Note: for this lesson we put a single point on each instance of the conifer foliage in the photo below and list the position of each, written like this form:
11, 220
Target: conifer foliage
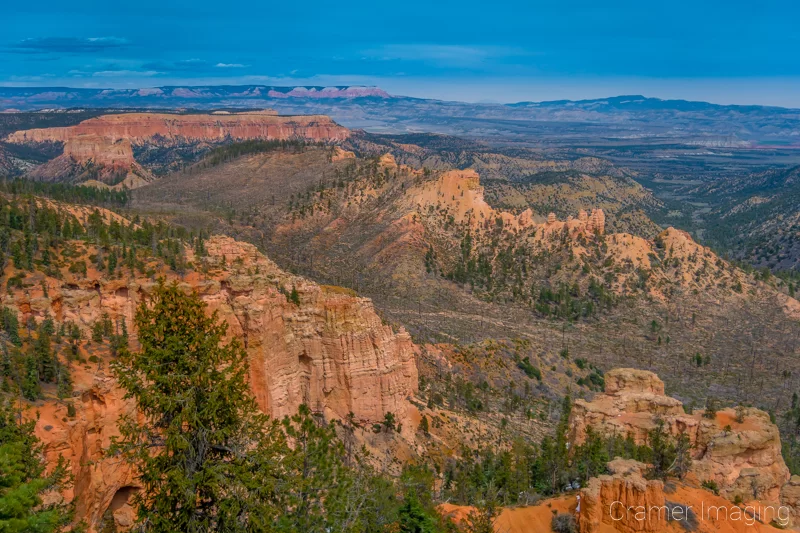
202, 449
23, 481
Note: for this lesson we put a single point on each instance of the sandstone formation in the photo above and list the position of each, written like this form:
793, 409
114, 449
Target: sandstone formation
617, 499
172, 128
102, 484
96, 158
743, 458
331, 352
458, 193
339, 154
626, 502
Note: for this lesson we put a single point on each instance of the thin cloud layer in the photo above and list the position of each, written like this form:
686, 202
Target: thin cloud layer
68, 45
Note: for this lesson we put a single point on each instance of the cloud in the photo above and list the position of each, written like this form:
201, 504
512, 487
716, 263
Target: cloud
67, 45
444, 55
193, 65
123, 73
183, 65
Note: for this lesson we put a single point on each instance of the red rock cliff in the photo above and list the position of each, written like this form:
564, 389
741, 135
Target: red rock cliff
141, 127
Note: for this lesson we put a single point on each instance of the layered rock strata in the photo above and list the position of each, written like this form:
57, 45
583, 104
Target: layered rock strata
173, 128
739, 451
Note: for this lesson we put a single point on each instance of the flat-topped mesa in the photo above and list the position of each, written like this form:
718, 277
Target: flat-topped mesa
98, 158
740, 451
141, 127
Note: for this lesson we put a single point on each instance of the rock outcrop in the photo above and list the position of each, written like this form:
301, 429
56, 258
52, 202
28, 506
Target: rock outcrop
627, 502
330, 351
622, 499
102, 484
740, 452
96, 158
459, 194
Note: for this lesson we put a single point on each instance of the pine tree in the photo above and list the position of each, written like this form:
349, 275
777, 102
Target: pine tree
320, 487
294, 296
64, 382
23, 480
43, 352
30, 388
664, 452
413, 518
591, 457
482, 520
216, 455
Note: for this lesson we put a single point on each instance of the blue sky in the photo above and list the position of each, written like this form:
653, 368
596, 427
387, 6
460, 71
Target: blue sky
726, 52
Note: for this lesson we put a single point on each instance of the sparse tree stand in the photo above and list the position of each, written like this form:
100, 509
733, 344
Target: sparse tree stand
205, 456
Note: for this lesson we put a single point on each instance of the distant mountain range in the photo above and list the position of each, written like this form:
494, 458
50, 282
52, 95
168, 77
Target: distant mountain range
371, 108
26, 98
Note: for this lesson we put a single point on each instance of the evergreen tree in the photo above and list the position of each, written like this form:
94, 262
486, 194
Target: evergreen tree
30, 388
10, 324
591, 457
321, 487
664, 451
23, 480
213, 466
413, 518
43, 352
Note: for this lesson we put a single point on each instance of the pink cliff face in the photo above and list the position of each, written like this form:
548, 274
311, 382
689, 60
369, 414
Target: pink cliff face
141, 127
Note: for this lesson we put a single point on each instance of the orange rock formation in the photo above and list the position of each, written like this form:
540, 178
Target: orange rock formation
626, 502
743, 458
460, 194
615, 499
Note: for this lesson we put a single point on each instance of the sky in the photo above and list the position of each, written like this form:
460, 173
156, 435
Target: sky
723, 52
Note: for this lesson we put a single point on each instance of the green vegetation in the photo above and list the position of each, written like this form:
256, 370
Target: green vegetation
520, 474
23, 481
229, 152
27, 366
37, 237
63, 192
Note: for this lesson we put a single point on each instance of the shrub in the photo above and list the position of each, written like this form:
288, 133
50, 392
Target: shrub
564, 523
711, 408
530, 370
711, 485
